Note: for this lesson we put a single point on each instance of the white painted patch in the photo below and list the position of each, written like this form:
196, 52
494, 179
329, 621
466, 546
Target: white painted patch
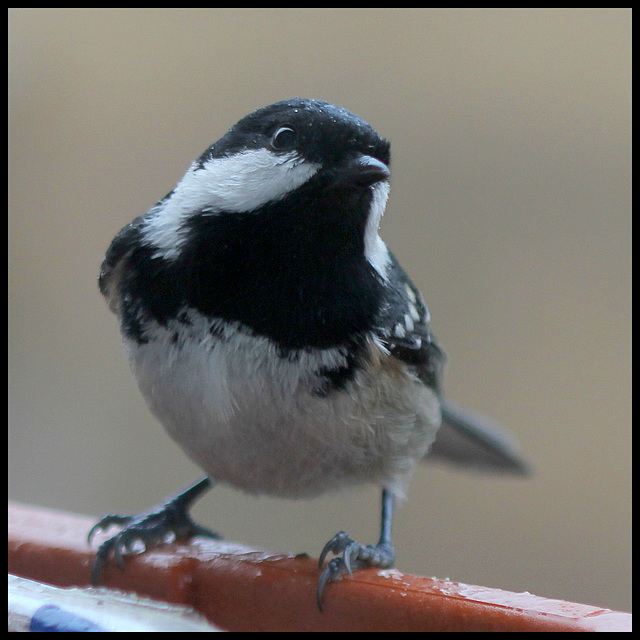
238, 183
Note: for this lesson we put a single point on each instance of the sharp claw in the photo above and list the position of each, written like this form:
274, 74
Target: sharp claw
325, 550
332, 572
336, 545
96, 569
92, 532
324, 577
346, 559
105, 522
149, 529
354, 556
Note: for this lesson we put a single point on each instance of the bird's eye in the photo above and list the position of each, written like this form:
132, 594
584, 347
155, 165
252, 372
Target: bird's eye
284, 138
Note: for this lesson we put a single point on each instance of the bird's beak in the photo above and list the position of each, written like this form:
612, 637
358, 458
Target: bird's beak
362, 171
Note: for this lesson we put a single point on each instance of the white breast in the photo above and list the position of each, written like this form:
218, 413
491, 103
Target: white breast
250, 418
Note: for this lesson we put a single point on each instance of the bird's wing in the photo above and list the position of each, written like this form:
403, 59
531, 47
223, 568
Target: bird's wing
464, 438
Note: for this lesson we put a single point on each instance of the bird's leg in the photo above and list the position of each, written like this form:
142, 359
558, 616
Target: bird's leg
170, 519
355, 555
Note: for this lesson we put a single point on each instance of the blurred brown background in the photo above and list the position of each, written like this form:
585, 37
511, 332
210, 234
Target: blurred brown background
510, 207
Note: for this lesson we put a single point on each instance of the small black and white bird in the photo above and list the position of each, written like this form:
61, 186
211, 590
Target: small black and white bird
274, 335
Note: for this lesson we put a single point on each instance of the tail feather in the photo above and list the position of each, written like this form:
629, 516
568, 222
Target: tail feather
472, 441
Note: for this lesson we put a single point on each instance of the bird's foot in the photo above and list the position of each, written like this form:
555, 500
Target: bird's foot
354, 556
170, 521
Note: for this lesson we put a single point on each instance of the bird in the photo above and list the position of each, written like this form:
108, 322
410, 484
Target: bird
277, 338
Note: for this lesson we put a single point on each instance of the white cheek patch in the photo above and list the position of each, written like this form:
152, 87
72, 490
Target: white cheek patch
232, 184
375, 250
250, 179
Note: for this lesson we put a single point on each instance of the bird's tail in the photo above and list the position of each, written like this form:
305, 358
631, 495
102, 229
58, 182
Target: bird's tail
472, 441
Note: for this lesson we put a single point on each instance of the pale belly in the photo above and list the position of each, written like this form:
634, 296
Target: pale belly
251, 419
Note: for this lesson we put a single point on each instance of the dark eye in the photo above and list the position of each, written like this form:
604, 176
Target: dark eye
284, 138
